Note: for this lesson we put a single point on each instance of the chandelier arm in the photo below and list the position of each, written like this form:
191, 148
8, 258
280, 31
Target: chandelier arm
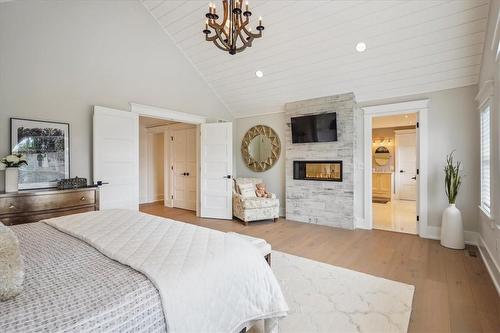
220, 39
246, 43
224, 20
248, 32
222, 47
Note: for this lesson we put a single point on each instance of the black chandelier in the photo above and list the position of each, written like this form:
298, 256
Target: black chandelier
233, 34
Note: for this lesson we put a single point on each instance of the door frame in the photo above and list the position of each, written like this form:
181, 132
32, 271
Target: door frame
420, 107
182, 117
396, 153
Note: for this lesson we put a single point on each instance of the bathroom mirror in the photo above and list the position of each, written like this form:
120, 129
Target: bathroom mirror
260, 148
382, 156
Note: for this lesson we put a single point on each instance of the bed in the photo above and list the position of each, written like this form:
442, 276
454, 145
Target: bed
76, 282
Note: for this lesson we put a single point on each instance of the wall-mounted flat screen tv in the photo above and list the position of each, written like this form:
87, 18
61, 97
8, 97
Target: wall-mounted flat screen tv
314, 128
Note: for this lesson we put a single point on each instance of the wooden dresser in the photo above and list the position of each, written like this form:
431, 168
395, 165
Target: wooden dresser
35, 205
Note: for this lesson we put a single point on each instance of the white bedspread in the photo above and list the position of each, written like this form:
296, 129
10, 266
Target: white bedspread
209, 281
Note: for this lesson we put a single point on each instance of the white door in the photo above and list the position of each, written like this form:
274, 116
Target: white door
216, 170
116, 157
406, 162
183, 147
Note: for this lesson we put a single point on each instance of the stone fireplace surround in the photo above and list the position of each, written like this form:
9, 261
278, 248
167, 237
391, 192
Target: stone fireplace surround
328, 203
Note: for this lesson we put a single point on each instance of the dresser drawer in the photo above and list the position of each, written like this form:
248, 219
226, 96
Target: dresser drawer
35, 217
46, 201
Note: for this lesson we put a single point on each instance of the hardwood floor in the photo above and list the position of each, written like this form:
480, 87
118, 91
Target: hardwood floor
453, 291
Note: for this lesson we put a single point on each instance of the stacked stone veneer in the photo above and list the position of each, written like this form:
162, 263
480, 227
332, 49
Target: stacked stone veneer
323, 202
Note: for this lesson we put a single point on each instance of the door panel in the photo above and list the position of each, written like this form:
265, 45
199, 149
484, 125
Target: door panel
406, 159
116, 157
216, 170
184, 168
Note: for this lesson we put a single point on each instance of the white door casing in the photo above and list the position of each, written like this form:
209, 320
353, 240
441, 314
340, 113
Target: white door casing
216, 166
406, 165
421, 108
116, 157
183, 147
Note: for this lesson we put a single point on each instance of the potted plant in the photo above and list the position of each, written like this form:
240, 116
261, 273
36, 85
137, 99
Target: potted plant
452, 229
11, 164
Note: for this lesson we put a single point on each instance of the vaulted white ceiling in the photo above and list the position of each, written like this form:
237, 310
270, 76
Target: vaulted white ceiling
308, 49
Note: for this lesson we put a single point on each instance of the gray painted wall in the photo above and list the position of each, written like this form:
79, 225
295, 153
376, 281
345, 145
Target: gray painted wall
453, 124
57, 59
274, 177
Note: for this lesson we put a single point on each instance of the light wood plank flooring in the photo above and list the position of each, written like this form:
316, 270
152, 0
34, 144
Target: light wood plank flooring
453, 291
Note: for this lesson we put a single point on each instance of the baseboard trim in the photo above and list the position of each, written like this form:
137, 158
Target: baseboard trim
470, 237
489, 261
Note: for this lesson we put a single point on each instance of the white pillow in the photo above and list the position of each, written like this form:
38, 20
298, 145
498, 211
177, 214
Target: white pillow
11, 264
247, 190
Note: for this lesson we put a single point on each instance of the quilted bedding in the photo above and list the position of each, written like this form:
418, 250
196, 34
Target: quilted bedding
208, 281
71, 287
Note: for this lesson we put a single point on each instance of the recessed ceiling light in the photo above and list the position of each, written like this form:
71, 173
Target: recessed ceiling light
361, 47
259, 74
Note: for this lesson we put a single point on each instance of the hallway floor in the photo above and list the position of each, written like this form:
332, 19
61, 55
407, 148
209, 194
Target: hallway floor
396, 215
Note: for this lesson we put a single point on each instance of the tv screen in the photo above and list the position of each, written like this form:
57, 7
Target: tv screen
315, 128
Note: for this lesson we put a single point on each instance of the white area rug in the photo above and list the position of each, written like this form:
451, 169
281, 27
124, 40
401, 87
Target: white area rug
326, 298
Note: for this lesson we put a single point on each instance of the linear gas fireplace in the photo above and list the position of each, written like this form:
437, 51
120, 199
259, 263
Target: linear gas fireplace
318, 170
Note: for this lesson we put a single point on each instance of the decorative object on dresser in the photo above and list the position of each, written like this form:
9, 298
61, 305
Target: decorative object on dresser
11, 164
250, 207
260, 148
36, 205
452, 228
46, 148
76, 182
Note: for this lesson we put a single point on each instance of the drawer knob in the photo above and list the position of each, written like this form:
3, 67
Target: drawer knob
83, 199
11, 206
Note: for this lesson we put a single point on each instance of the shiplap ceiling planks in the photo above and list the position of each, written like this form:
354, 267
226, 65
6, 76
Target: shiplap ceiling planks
308, 49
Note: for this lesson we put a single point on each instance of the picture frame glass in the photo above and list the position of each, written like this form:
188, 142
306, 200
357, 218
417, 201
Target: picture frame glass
46, 148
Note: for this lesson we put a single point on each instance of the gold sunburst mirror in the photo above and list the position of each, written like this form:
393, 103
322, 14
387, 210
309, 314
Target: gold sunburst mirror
260, 148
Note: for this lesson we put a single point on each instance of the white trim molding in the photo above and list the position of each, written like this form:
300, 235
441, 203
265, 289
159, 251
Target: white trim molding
421, 108
486, 92
160, 113
489, 262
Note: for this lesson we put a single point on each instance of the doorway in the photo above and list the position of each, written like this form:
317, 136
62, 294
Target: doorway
394, 168
381, 173
116, 158
167, 163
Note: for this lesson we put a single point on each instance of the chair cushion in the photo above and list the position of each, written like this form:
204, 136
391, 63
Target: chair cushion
253, 203
245, 180
247, 190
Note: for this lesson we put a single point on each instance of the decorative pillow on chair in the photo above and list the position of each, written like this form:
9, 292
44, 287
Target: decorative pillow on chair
247, 190
11, 264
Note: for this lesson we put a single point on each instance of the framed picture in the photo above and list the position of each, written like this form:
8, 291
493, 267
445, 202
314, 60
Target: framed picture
46, 147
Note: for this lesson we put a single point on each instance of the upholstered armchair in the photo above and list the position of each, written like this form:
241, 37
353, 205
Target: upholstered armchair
249, 208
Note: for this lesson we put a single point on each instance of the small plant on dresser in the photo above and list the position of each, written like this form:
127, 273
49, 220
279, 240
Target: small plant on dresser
11, 164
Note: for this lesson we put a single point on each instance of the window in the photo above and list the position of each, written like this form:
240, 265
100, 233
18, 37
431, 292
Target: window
485, 160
